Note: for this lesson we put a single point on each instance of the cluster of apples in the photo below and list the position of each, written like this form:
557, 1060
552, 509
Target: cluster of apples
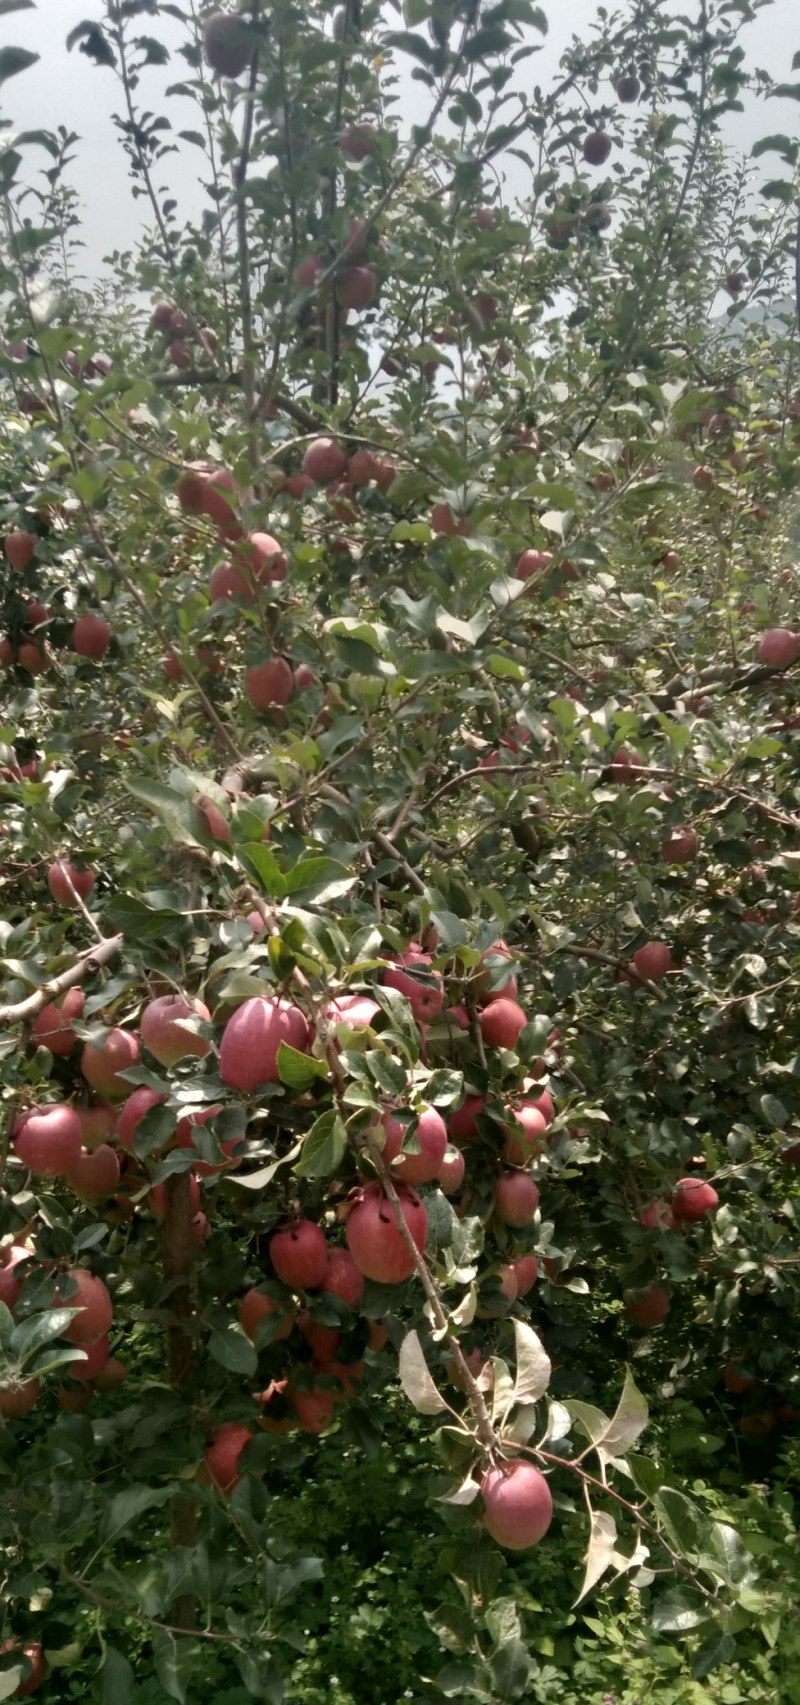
693, 1199
91, 633
181, 337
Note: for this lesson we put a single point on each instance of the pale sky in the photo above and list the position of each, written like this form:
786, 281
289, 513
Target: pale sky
67, 88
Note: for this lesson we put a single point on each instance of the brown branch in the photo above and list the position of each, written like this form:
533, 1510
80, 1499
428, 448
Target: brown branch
89, 962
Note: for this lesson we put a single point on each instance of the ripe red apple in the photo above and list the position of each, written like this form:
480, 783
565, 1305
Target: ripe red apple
373, 1239
221, 1457
628, 87
342, 1277
735, 283
308, 271
113, 1374
63, 877
33, 658
48, 1139
11, 1257
263, 557
682, 847
596, 147
451, 1171
161, 317
516, 1198
102, 1065
201, 491
359, 141
179, 353
502, 1023
517, 1504
298, 484
653, 961
693, 1198
422, 1168
90, 1297
356, 288
96, 1358
248, 1053
314, 1409
133, 1112
444, 521
648, 1307
624, 764
532, 562
426, 999
524, 1270
269, 684
217, 824
52, 1026
32, 1651
19, 548
7, 652
299, 1255
161, 1029
227, 44
484, 218
95, 1174
779, 646
362, 467
658, 1216
523, 1146
324, 461
737, 1381
462, 1124
227, 583
17, 1401
486, 985
703, 477
323, 1341
91, 637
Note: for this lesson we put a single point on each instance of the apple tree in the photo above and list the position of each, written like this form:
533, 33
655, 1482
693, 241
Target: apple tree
399, 810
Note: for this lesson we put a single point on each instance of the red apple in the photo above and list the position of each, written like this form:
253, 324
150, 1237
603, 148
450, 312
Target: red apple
65, 881
19, 548
91, 637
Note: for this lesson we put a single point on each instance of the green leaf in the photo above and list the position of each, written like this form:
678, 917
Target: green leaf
720, 1648
234, 1351
323, 1148
12, 61
317, 879
40, 1329
684, 1522
126, 1507
298, 1070
175, 1663
10, 1680
415, 1377
627, 1422
263, 864
116, 1679
533, 1365
679, 1611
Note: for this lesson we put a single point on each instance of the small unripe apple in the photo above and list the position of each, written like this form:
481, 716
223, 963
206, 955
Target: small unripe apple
19, 548
693, 1199
596, 147
91, 637
779, 646
63, 878
324, 461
